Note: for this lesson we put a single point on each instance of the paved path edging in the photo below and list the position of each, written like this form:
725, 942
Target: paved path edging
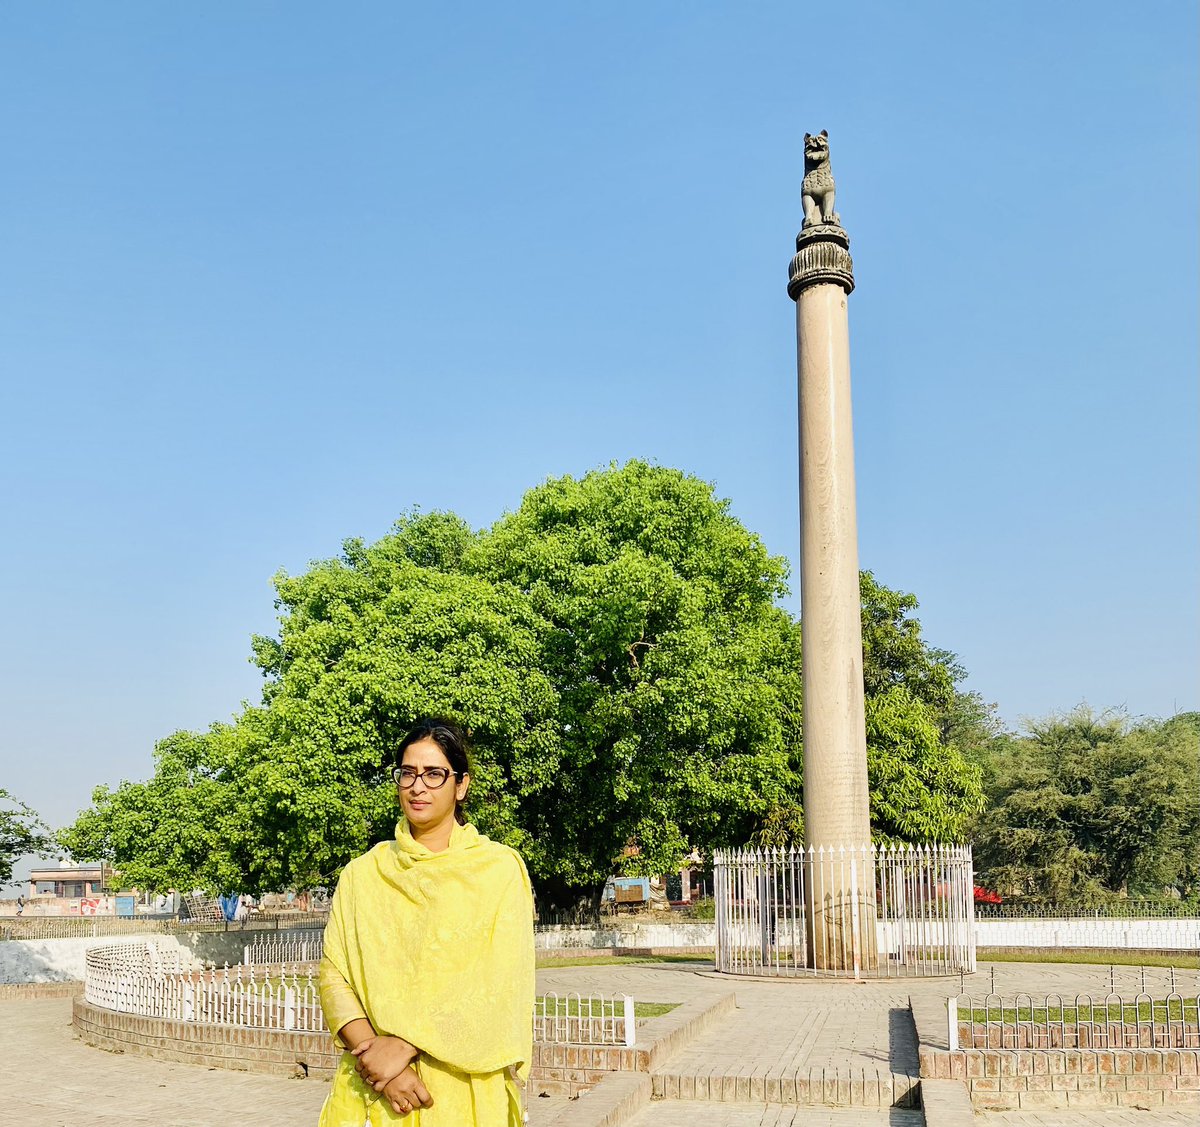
612, 1103
946, 1103
683, 1024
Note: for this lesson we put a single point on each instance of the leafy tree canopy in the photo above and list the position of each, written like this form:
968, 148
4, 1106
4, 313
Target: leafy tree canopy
923, 786
614, 648
21, 832
677, 674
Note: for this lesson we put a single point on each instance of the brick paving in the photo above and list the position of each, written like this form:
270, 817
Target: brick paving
53, 1079
795, 1029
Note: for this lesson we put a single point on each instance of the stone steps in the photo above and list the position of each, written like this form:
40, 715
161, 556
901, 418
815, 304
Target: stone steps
824, 1087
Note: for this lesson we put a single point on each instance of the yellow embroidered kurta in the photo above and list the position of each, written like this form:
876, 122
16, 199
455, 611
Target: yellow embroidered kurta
436, 948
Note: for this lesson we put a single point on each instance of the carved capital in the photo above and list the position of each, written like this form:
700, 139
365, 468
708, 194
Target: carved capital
822, 257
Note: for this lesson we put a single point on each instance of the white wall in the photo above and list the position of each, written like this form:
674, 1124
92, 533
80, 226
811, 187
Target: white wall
1170, 935
62, 960
681, 933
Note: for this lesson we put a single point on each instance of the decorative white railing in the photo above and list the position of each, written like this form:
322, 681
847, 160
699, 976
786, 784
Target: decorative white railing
137, 958
847, 911
1082, 1021
231, 996
301, 947
141, 978
578, 1020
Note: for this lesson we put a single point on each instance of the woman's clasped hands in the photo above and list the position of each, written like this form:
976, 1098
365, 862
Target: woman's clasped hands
386, 1064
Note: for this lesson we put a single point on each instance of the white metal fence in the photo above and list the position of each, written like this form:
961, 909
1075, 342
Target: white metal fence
117, 978
1084, 1021
299, 947
578, 1020
1131, 908
142, 978
847, 911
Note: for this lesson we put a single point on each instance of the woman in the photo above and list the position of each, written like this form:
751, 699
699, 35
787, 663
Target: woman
427, 977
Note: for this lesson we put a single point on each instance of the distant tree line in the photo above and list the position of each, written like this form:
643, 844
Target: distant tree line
1083, 807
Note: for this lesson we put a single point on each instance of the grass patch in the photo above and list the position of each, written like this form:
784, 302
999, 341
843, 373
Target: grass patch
620, 960
653, 1009
570, 1006
1090, 956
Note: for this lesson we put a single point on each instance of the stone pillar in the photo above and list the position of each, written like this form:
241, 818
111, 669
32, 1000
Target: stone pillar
840, 889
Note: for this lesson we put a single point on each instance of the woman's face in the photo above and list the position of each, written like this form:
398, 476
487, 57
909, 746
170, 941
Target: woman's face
426, 807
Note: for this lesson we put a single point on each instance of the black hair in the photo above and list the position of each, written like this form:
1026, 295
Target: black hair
449, 737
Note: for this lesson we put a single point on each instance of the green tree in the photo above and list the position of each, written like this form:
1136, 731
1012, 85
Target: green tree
180, 829
1086, 806
616, 652
297, 786
923, 786
677, 674
21, 832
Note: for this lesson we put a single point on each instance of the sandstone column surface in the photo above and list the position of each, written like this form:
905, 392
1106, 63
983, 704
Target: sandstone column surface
836, 800
839, 891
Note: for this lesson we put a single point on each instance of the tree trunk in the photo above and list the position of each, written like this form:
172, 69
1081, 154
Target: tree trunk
561, 902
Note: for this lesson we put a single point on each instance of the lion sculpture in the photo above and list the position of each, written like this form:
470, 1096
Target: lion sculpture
817, 191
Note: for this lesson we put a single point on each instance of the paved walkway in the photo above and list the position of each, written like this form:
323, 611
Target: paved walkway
820, 1027
52, 1079
807, 1027
795, 1025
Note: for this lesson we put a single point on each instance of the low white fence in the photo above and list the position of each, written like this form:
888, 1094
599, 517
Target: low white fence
1144, 934
297, 947
846, 911
578, 1020
1083, 1021
139, 979
142, 978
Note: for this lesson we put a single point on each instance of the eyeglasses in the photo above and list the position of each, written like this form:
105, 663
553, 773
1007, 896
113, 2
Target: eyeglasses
434, 777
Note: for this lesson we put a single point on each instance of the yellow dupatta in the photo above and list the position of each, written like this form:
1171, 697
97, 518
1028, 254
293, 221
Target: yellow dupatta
436, 948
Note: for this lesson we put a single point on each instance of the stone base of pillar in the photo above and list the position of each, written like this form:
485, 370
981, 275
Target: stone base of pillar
840, 912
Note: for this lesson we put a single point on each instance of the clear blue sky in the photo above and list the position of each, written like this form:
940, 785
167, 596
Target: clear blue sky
272, 273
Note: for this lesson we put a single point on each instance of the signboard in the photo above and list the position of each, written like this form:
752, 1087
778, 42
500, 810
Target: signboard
125, 906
